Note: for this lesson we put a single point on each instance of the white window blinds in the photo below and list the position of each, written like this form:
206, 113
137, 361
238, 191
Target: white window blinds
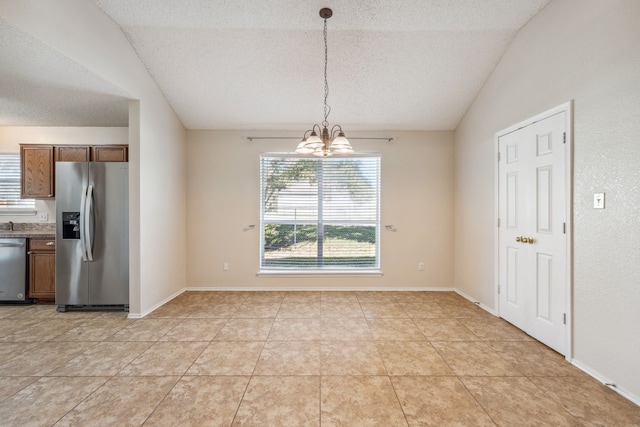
10, 200
320, 213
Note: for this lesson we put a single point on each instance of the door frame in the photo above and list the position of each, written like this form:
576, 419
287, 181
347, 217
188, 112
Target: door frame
567, 108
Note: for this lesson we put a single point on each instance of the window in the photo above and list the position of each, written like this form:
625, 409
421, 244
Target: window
10, 201
320, 213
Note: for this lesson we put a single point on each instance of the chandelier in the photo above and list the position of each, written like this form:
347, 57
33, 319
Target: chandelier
327, 142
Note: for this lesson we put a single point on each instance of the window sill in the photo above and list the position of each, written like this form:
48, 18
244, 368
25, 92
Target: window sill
331, 273
17, 212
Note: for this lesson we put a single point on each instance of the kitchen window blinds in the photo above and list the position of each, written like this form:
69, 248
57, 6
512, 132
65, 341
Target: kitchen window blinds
320, 213
10, 201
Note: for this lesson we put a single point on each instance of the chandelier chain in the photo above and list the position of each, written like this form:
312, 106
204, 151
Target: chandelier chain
327, 107
319, 140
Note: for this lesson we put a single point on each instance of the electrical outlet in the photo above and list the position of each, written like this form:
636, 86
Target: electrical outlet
421, 266
43, 216
225, 266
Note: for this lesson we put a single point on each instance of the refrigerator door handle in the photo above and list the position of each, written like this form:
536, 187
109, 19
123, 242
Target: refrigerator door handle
87, 223
83, 237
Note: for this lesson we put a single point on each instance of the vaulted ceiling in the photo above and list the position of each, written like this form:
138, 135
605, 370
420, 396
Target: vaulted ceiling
39, 86
246, 64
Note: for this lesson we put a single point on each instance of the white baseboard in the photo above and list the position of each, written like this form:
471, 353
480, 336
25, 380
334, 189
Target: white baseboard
476, 302
605, 381
576, 363
321, 288
287, 288
160, 304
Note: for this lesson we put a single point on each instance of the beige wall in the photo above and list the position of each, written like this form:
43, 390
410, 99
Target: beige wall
587, 51
12, 136
223, 198
157, 139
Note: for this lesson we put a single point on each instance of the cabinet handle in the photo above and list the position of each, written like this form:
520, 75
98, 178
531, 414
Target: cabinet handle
51, 243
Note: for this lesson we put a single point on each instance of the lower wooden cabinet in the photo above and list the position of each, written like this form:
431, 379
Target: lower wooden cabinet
42, 269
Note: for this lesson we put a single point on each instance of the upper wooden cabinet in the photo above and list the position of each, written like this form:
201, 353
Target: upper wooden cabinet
91, 153
37, 171
38, 164
72, 153
109, 153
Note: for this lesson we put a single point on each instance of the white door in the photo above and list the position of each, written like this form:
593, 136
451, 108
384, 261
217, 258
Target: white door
533, 288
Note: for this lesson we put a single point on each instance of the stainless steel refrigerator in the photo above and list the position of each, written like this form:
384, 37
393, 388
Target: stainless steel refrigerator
92, 235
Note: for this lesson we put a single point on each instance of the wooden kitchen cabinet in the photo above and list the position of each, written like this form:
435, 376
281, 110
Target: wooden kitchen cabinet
91, 153
37, 164
72, 153
42, 269
110, 153
37, 171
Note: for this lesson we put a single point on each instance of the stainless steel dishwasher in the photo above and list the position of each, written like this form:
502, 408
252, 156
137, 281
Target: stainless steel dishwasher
13, 269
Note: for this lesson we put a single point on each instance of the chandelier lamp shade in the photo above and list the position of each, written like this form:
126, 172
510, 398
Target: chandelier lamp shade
319, 140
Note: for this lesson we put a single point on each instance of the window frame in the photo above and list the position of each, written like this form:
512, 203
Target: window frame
13, 210
333, 270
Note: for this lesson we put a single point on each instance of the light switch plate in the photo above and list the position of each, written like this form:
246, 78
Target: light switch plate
598, 200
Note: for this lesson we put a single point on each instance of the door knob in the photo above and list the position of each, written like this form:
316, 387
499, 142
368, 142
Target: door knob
524, 239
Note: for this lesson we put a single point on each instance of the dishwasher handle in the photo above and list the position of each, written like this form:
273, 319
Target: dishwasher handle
11, 245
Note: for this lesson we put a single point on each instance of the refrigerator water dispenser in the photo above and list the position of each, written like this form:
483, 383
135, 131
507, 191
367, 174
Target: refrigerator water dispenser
70, 225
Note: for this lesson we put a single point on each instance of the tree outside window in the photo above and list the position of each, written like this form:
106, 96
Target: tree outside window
320, 213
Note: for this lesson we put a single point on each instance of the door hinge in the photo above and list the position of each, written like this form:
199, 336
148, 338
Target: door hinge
564, 137
498, 288
498, 156
564, 228
498, 222
564, 318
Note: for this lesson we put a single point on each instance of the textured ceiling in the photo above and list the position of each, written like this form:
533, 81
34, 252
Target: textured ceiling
41, 87
247, 64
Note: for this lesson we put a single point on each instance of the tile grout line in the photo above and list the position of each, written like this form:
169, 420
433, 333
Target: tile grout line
244, 393
180, 377
459, 314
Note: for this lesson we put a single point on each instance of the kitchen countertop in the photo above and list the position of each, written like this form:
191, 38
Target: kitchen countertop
27, 234
27, 230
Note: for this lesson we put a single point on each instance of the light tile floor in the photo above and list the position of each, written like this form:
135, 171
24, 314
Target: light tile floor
291, 359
